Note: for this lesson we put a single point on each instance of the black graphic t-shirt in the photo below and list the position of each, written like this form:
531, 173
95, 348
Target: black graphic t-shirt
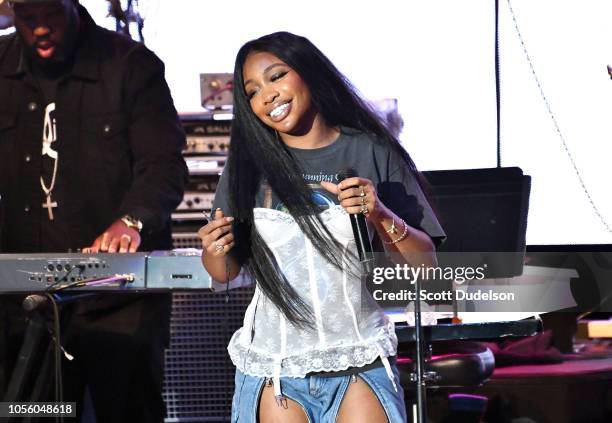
396, 186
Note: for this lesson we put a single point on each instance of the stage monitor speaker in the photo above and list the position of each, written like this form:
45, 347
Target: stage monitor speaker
483, 212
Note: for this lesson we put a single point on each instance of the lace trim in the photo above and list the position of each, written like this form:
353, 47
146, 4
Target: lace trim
260, 364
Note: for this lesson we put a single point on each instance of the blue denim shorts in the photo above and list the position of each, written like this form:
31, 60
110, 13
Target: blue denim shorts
319, 396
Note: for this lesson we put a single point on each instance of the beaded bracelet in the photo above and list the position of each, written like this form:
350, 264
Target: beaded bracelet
402, 236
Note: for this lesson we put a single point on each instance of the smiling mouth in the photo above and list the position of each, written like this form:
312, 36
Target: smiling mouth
280, 111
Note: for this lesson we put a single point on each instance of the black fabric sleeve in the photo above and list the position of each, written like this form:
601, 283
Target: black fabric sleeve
156, 142
402, 194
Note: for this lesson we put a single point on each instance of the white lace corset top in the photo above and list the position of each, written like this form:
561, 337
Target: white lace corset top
350, 329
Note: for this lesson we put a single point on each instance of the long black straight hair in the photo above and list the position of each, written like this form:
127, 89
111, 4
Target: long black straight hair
256, 154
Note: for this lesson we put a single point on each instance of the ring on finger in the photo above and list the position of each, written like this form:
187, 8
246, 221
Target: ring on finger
364, 209
218, 247
361, 191
363, 200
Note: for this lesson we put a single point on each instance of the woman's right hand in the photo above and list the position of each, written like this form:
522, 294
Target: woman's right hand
217, 237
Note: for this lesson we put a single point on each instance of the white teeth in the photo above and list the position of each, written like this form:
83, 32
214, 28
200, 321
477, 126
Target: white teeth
278, 110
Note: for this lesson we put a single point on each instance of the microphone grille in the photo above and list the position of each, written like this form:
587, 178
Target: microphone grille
347, 172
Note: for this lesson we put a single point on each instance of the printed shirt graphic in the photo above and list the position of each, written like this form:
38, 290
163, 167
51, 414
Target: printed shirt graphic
49, 138
320, 196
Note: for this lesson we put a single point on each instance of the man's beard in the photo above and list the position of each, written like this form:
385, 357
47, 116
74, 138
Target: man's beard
58, 59
61, 56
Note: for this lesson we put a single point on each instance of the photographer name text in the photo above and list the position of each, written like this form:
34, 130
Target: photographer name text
449, 295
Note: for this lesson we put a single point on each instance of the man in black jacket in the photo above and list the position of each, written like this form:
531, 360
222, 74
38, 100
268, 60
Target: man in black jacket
90, 158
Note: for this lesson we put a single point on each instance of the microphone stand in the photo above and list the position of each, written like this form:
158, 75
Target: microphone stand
421, 389
420, 377
37, 333
31, 370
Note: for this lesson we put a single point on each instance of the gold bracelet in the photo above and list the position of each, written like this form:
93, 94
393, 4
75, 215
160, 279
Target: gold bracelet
402, 236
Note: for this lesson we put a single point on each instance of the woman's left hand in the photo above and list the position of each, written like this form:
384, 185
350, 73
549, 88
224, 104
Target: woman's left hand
357, 195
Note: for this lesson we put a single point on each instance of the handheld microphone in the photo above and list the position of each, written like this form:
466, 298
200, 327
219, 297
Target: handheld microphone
360, 230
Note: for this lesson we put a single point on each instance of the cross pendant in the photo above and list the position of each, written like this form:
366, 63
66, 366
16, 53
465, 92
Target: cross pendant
49, 205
